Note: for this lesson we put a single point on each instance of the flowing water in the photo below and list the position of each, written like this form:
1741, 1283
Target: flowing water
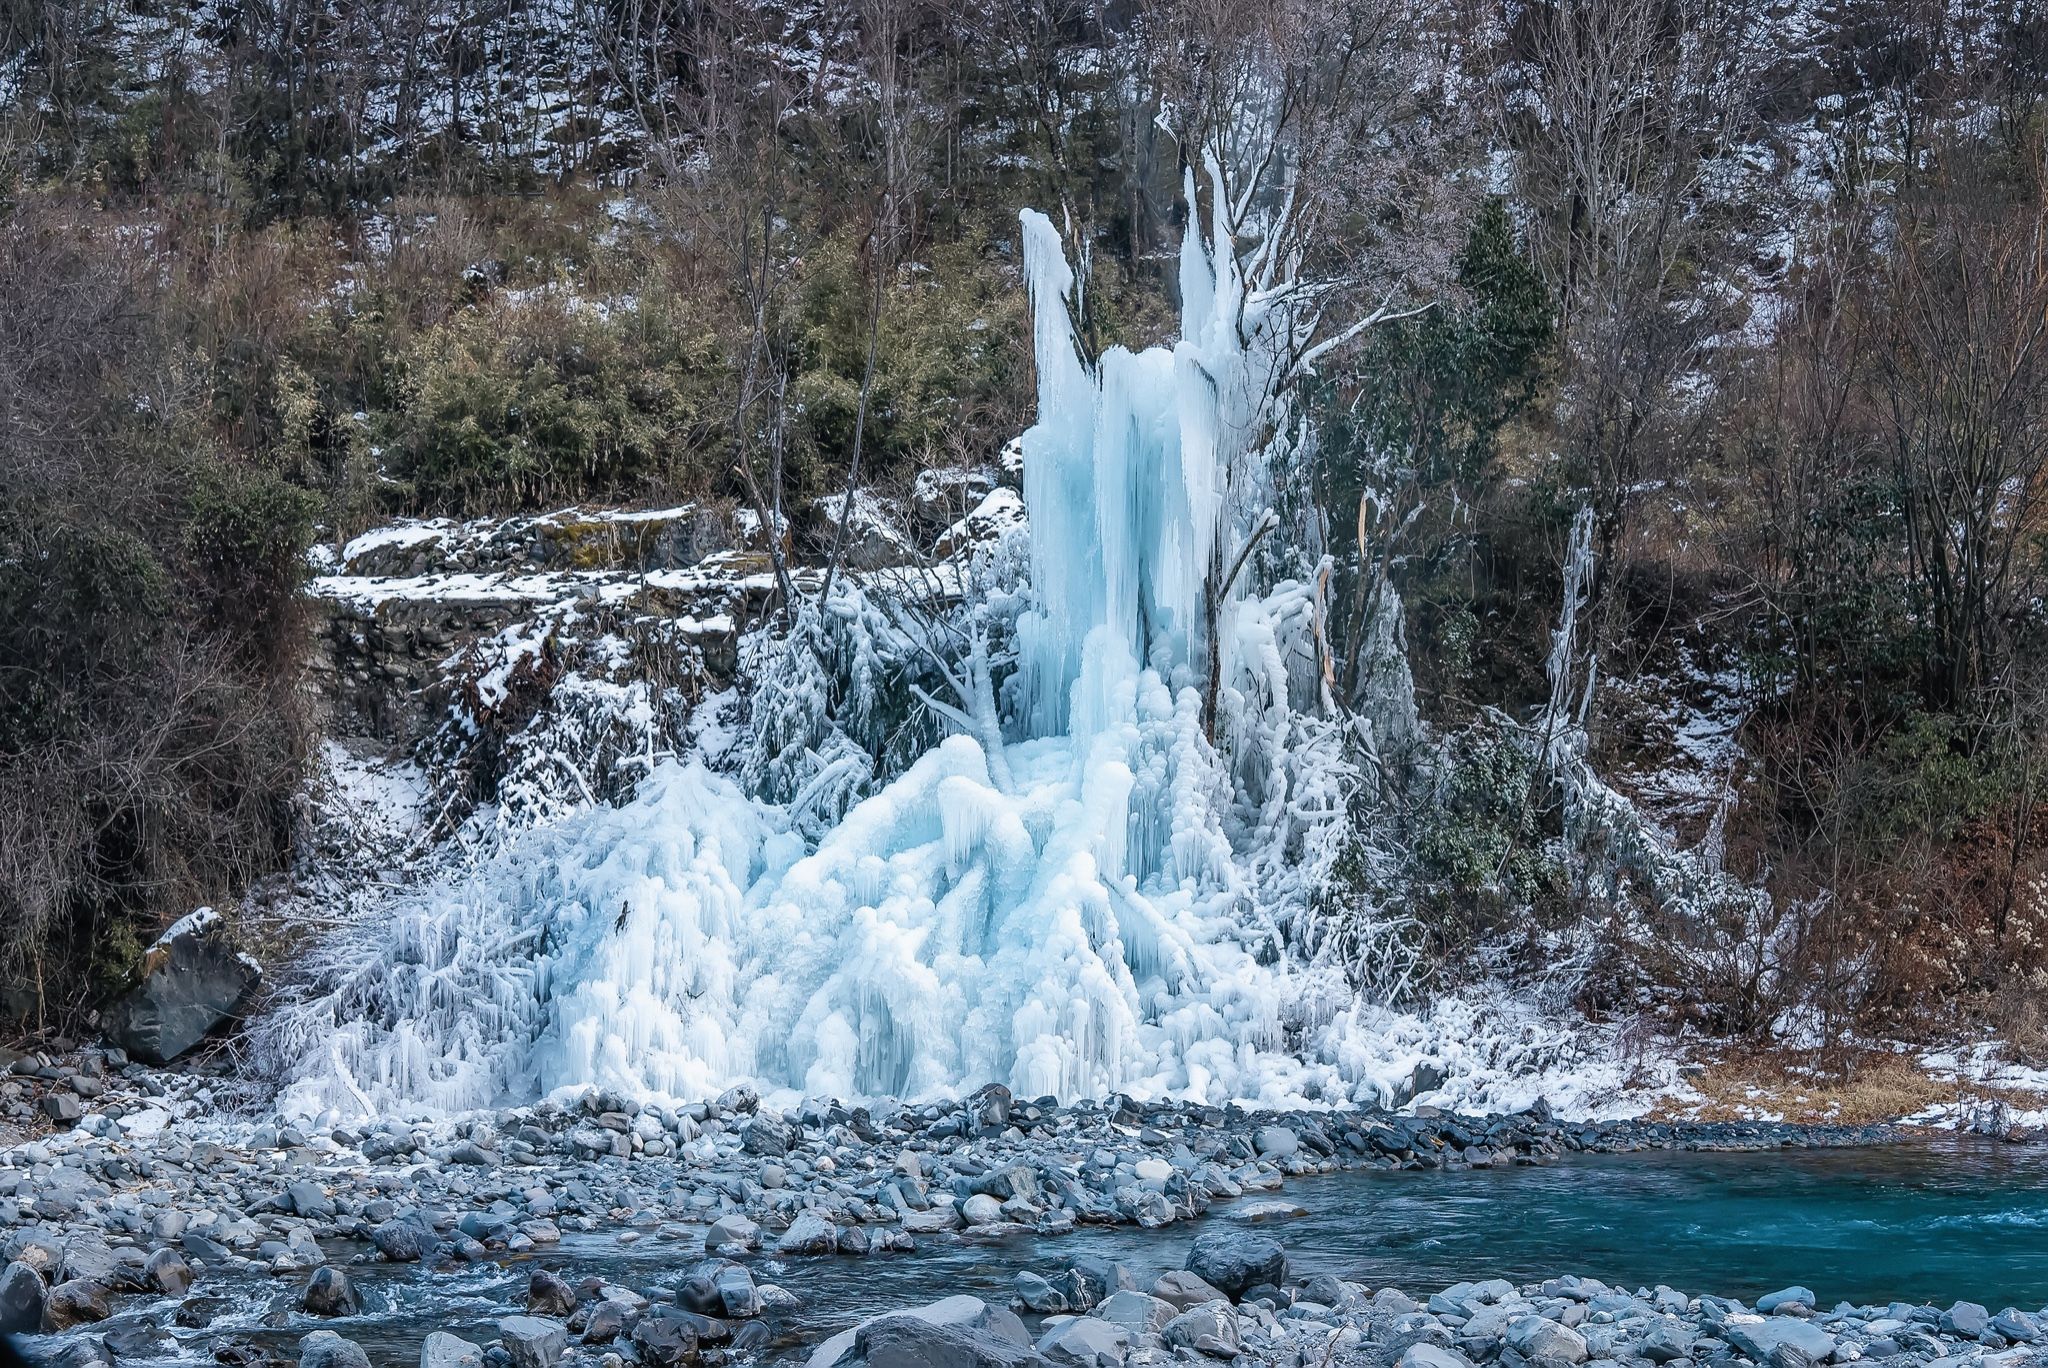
1918, 1223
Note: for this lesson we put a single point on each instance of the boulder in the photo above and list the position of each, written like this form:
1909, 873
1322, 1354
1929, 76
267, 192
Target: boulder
765, 1135
969, 1315
329, 1293
809, 1233
1234, 1260
21, 1300
1768, 1340
549, 1295
664, 1339
325, 1349
909, 1341
62, 1107
168, 1273
1965, 1320
733, 1234
1181, 1289
981, 1209
533, 1341
403, 1241
1431, 1356
76, 1302
1086, 1342
1786, 1299
1137, 1313
737, 1295
1276, 1143
1039, 1296
1534, 1338
1210, 1330
443, 1350
192, 980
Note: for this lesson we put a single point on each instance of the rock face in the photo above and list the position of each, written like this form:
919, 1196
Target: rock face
192, 981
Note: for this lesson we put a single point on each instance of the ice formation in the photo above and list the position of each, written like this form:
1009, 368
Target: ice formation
1061, 897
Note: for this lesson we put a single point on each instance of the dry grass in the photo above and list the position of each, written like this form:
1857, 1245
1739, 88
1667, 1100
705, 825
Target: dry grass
1860, 1089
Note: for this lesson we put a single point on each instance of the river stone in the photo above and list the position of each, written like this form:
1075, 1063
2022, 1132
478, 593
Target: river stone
906, 1341
1534, 1337
981, 1209
2016, 1326
329, 1293
443, 1350
548, 1295
533, 1341
1666, 1342
168, 1273
62, 1107
21, 1300
664, 1338
809, 1233
765, 1135
1425, 1355
1088, 1280
311, 1201
607, 1321
1182, 1289
1210, 1330
401, 1241
1039, 1296
192, 980
733, 1234
960, 1312
1086, 1342
325, 1349
76, 1302
1787, 1299
1276, 1143
1234, 1260
737, 1295
1762, 1340
1138, 1313
1967, 1320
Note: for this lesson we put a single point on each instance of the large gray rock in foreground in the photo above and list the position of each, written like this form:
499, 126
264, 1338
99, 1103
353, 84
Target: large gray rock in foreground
973, 1335
192, 981
325, 1349
1761, 1339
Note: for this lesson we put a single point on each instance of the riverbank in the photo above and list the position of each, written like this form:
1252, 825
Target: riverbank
151, 1217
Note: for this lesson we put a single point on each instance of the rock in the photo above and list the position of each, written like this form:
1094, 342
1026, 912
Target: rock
963, 1312
1087, 1281
1210, 1329
310, 1200
329, 1293
1766, 1340
608, 1320
78, 1353
981, 1209
765, 1135
2018, 1327
76, 1302
1424, 1355
1037, 1295
733, 1234
740, 1099
168, 1273
549, 1295
472, 1155
1086, 1342
1234, 1260
664, 1340
1276, 1143
62, 1107
809, 1233
737, 1295
443, 1350
1137, 1313
21, 1300
1966, 1320
1785, 1300
910, 1341
403, 1241
988, 1109
1534, 1337
192, 980
139, 1340
533, 1341
1667, 1342
1181, 1290
325, 1349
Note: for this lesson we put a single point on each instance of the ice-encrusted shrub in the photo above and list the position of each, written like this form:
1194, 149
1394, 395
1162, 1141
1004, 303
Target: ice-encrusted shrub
1483, 836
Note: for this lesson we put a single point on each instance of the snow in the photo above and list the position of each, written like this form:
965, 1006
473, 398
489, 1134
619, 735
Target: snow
194, 923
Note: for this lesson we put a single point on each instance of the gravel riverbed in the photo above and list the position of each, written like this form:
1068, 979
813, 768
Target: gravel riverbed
133, 1229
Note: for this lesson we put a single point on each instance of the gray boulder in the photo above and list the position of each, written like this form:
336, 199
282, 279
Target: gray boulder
192, 980
1778, 1340
1181, 1289
443, 1350
402, 1241
533, 1341
1234, 1260
971, 1316
548, 1295
1040, 1297
809, 1233
1787, 1299
1137, 1313
1210, 1330
1966, 1320
329, 1293
1423, 1355
733, 1234
908, 1341
1086, 1342
664, 1340
21, 1300
325, 1349
1534, 1338
168, 1273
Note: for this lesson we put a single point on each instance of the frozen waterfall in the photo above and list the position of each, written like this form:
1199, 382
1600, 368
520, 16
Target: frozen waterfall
1081, 923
